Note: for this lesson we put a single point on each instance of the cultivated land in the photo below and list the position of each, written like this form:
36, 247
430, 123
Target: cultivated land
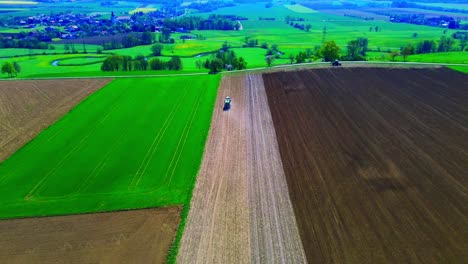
136, 143
140, 236
375, 161
240, 210
28, 107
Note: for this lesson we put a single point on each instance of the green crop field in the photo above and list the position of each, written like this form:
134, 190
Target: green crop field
136, 143
81, 60
300, 9
438, 57
460, 68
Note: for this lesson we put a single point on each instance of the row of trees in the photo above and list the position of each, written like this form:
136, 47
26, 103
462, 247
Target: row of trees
445, 44
328, 51
225, 58
213, 22
26, 43
139, 63
129, 41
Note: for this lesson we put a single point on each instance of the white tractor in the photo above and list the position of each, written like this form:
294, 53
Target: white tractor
227, 103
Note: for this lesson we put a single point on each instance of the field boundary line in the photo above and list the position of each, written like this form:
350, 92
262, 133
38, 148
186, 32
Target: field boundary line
236, 71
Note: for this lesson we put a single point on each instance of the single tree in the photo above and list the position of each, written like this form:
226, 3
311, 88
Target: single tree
308, 27
17, 67
216, 65
269, 60
175, 64
394, 54
406, 51
8, 68
198, 64
291, 58
301, 57
156, 49
330, 51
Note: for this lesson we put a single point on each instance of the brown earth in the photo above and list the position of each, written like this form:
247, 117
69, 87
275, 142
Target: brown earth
376, 162
240, 210
140, 236
28, 107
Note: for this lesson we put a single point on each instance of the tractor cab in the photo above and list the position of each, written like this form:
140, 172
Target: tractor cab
227, 103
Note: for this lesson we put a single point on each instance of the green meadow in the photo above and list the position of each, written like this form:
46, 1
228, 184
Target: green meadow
136, 143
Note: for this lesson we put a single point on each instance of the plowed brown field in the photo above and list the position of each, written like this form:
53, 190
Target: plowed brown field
28, 107
240, 210
376, 162
141, 236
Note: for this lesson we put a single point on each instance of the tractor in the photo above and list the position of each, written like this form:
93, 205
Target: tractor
336, 63
227, 103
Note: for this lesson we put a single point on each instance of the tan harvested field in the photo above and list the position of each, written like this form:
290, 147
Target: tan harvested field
376, 162
240, 210
140, 236
28, 107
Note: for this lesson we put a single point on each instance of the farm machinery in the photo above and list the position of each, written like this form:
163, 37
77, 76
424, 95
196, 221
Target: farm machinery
227, 103
336, 63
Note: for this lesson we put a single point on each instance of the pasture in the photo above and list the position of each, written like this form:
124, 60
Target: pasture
136, 143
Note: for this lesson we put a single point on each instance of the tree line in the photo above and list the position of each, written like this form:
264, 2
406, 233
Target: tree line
224, 58
25, 43
213, 22
139, 63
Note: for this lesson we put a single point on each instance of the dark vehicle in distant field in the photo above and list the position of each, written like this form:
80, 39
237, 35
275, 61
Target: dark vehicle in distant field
336, 63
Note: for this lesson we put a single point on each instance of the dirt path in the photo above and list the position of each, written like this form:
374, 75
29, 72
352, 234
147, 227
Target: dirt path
240, 212
140, 236
28, 107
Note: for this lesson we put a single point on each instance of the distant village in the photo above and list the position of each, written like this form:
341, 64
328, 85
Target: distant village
72, 26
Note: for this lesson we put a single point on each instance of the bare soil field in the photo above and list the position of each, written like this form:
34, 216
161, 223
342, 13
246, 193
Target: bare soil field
28, 107
376, 162
240, 210
140, 236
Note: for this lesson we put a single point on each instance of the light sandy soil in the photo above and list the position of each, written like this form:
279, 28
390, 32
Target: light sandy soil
240, 210
28, 107
274, 233
140, 236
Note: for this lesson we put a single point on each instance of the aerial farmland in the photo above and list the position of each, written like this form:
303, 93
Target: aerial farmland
233, 131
